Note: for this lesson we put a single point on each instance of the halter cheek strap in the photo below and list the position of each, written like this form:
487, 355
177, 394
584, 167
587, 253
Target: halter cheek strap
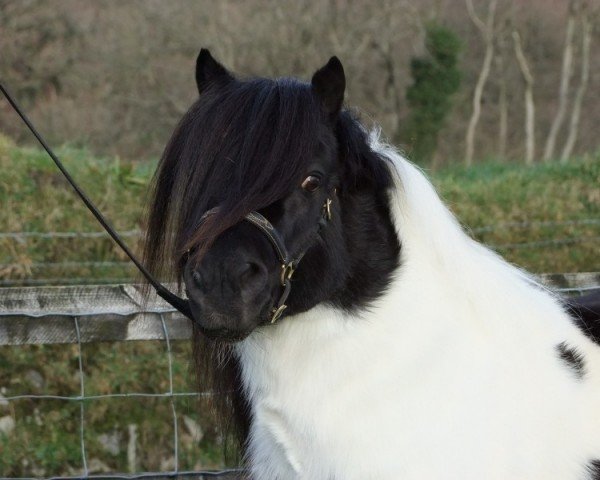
288, 264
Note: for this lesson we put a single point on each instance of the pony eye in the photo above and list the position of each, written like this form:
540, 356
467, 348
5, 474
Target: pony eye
311, 183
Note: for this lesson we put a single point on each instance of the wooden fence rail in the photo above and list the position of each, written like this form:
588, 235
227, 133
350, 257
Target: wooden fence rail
45, 315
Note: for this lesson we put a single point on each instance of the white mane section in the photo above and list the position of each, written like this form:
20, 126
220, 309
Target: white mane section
452, 374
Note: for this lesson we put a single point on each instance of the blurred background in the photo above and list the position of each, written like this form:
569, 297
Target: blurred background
479, 92
116, 76
498, 100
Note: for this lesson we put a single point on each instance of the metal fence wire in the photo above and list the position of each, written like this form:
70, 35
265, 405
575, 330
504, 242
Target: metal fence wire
79, 316
30, 257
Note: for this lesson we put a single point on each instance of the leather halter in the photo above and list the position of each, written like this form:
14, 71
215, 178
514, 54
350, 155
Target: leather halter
288, 263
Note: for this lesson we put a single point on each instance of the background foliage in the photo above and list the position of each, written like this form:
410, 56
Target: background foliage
435, 79
497, 195
116, 76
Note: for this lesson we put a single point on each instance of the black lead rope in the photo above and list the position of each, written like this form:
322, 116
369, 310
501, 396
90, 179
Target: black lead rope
180, 304
288, 264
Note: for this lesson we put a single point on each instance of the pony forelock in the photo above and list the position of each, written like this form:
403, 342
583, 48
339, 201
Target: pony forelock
240, 147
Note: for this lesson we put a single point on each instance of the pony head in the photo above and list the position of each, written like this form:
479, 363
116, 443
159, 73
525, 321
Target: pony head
284, 149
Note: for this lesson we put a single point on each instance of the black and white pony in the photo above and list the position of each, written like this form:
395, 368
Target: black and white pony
406, 350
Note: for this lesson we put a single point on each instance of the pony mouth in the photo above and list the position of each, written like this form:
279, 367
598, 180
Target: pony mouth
223, 328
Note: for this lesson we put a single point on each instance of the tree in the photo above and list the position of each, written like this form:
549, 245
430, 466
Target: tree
565, 77
502, 96
529, 104
436, 78
487, 32
586, 40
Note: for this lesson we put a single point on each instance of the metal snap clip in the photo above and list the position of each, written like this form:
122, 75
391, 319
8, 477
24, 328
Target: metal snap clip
277, 312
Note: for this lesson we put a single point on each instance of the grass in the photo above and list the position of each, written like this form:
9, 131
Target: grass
46, 438
34, 197
555, 200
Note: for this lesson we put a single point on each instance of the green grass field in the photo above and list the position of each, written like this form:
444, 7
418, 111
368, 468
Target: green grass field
35, 197
555, 200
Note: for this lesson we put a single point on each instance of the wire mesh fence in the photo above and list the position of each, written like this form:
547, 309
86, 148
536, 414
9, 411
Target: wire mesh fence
74, 257
139, 416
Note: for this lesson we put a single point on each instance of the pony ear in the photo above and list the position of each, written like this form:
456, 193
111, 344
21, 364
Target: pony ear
329, 83
209, 71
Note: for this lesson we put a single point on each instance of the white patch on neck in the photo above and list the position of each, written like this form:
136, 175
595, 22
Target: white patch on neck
452, 373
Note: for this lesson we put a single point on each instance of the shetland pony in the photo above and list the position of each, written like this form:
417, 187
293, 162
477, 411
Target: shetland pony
405, 349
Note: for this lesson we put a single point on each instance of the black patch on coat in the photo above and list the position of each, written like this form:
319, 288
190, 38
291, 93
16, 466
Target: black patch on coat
572, 359
594, 470
585, 311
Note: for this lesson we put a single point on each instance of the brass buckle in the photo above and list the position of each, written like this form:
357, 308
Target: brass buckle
286, 273
327, 209
277, 312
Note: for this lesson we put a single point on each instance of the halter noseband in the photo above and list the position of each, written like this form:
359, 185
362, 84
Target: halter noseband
288, 264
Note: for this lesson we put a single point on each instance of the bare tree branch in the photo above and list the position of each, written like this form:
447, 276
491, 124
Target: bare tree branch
476, 20
502, 97
488, 35
529, 104
586, 41
565, 77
